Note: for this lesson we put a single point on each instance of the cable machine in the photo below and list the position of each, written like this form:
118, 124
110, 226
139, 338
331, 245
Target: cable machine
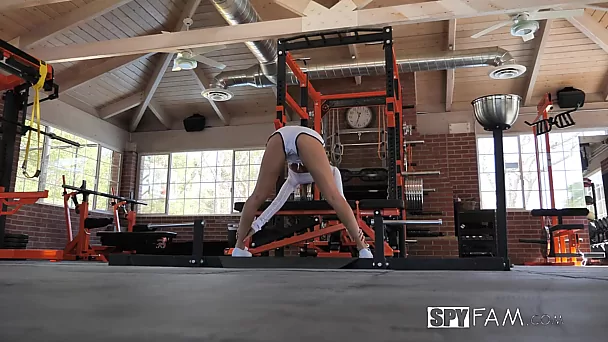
21, 72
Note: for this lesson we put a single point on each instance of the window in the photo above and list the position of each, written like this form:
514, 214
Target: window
521, 171
97, 165
600, 196
197, 183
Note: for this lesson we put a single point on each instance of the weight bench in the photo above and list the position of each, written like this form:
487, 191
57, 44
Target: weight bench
278, 238
558, 234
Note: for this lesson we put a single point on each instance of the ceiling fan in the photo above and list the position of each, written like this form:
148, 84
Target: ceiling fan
525, 24
188, 59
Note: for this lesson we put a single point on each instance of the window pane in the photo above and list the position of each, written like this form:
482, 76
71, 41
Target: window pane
515, 200
486, 163
153, 183
526, 143
223, 206
485, 146
193, 191
559, 180
511, 162
241, 173
224, 158
191, 206
193, 159
487, 181
510, 144
555, 141
208, 174
178, 160
528, 163
224, 174
254, 171
241, 158
178, 176
207, 190
256, 156
488, 200
513, 181
176, 207
207, 207
241, 189
223, 189
532, 199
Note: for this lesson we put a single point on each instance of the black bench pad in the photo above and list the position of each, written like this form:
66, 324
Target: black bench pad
568, 212
323, 205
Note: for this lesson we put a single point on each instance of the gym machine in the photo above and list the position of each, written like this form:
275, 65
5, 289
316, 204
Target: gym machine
21, 72
558, 241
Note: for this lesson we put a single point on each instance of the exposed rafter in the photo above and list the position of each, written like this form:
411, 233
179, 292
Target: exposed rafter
16, 4
593, 30
542, 38
76, 103
121, 106
218, 107
162, 66
79, 74
599, 6
401, 14
160, 114
69, 20
450, 73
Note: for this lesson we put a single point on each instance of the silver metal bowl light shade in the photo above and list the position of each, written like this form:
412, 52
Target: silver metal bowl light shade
496, 111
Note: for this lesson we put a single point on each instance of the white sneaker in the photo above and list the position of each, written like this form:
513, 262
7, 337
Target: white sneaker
366, 254
243, 253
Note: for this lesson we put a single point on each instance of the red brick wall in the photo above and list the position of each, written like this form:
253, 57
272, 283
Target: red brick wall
129, 174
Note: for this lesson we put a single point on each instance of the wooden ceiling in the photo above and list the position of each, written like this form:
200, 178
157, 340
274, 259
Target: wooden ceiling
568, 58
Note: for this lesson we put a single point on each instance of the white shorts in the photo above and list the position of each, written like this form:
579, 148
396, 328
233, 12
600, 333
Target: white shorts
289, 135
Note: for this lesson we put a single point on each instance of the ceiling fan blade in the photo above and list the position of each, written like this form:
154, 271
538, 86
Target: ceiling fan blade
527, 37
209, 62
556, 14
492, 28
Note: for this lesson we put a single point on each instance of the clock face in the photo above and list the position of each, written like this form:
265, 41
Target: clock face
359, 117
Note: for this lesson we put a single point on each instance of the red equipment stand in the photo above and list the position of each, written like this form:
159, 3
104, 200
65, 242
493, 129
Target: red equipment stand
15, 200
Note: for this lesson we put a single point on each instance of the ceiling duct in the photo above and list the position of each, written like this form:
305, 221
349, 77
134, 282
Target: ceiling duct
256, 77
237, 12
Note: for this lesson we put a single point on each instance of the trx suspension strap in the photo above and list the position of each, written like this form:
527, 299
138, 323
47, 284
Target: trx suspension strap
35, 119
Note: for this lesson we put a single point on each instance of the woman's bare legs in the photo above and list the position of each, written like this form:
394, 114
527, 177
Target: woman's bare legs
273, 163
313, 156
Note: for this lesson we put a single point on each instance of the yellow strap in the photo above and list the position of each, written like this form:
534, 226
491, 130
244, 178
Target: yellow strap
35, 119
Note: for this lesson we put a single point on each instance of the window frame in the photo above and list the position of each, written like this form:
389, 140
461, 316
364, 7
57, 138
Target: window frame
521, 172
46, 145
170, 154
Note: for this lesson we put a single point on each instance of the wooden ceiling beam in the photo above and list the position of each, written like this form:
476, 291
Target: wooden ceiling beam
76, 103
79, 74
599, 6
450, 73
219, 108
542, 38
594, 31
121, 106
160, 114
393, 15
6, 5
162, 66
69, 20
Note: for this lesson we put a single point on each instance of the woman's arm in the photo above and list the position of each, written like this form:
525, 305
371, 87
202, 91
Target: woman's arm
286, 190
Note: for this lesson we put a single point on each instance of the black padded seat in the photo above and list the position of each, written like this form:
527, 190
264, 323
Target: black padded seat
368, 204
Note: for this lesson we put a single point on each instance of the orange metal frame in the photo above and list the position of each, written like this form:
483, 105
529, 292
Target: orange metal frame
12, 81
19, 199
317, 99
79, 247
564, 241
